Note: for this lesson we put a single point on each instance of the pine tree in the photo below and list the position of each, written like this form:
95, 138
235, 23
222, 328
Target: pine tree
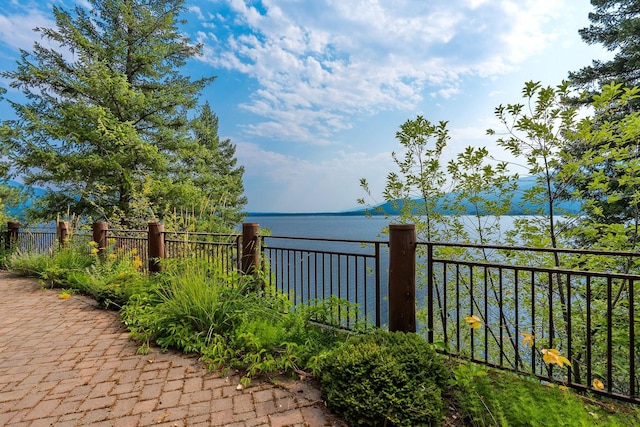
209, 167
615, 24
106, 116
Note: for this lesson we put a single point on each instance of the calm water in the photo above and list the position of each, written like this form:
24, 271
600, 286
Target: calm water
324, 226
342, 227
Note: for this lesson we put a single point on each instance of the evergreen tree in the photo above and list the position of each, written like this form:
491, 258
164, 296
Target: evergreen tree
209, 167
615, 24
9, 196
105, 120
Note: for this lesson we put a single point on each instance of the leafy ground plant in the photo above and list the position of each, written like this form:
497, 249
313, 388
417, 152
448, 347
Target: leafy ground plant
58, 268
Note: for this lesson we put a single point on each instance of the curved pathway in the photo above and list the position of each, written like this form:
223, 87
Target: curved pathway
68, 363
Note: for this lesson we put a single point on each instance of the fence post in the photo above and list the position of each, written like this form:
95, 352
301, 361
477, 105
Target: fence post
13, 228
63, 233
402, 277
250, 247
100, 229
156, 246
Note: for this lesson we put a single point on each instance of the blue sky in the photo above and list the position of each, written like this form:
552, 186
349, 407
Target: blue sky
312, 92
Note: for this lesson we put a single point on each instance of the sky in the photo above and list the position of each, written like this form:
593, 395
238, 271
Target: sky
312, 92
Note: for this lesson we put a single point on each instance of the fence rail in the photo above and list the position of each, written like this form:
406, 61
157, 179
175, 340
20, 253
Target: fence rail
515, 308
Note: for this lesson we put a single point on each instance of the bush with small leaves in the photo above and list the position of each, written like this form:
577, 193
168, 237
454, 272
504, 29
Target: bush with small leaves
385, 378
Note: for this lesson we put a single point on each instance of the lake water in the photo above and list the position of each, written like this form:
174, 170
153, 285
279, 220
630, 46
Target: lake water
324, 226
343, 227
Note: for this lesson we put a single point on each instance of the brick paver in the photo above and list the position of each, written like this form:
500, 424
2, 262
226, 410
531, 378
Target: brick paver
68, 363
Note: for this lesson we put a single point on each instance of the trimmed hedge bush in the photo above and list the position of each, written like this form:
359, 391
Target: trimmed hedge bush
385, 378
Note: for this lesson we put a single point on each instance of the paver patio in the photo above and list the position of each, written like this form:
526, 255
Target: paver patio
64, 362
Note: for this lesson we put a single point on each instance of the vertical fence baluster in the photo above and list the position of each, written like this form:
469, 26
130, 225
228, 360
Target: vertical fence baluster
609, 334
632, 340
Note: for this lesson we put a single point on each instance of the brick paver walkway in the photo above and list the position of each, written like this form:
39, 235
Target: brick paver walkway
68, 363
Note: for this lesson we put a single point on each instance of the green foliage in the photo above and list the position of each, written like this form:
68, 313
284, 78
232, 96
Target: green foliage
607, 168
198, 308
420, 177
61, 267
112, 280
28, 264
385, 378
490, 398
614, 25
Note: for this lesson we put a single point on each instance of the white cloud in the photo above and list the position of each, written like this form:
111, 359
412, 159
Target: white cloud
16, 31
319, 63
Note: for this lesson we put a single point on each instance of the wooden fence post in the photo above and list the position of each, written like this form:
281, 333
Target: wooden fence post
13, 229
402, 277
63, 234
156, 246
250, 247
100, 229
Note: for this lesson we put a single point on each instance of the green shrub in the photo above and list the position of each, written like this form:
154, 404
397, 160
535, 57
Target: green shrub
385, 378
198, 308
113, 281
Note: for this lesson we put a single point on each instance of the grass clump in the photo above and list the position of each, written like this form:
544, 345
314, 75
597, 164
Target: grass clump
385, 378
58, 268
485, 397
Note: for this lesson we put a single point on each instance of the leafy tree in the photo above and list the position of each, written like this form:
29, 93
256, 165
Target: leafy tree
544, 130
106, 118
418, 188
539, 130
611, 155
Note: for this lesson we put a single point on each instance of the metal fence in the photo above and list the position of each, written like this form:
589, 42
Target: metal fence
510, 307
309, 270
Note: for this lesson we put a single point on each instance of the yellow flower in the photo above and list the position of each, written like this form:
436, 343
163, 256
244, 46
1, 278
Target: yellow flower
64, 295
137, 262
113, 256
552, 356
474, 321
563, 388
597, 384
94, 251
93, 244
528, 339
134, 251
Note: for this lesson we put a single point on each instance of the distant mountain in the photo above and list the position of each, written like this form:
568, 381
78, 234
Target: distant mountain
518, 205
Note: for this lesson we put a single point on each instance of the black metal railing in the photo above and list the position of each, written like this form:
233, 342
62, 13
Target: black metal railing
312, 269
511, 309
220, 250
